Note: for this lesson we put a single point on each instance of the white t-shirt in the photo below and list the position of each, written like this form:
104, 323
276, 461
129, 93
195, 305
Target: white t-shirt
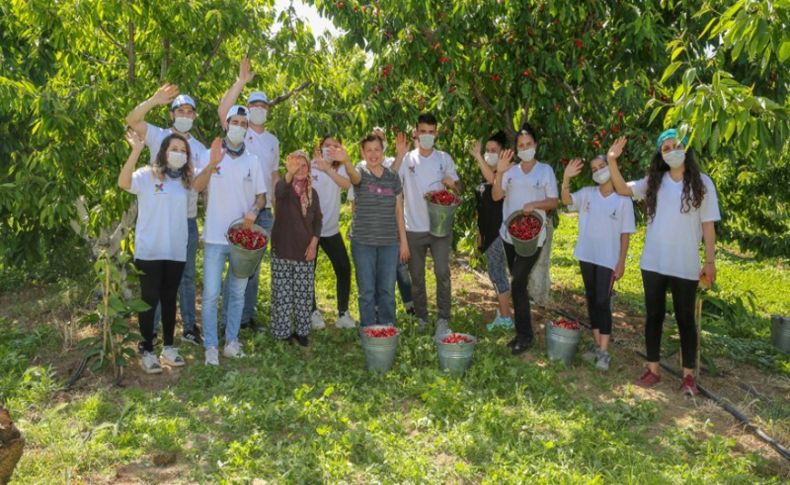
267, 148
419, 176
673, 237
601, 222
521, 188
231, 193
328, 198
153, 140
161, 229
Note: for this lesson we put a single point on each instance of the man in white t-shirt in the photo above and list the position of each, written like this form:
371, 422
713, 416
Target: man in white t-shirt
236, 190
424, 170
263, 144
183, 111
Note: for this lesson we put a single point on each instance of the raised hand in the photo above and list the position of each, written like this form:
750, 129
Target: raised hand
401, 144
321, 163
217, 152
245, 71
573, 168
293, 164
165, 94
474, 150
339, 154
506, 155
617, 148
135, 141
503, 165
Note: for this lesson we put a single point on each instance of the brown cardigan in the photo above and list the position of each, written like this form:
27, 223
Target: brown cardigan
293, 232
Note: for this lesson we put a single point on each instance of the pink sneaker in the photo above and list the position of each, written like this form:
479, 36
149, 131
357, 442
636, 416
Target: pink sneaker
689, 386
648, 380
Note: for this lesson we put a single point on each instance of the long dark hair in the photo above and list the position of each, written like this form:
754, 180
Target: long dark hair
160, 164
693, 188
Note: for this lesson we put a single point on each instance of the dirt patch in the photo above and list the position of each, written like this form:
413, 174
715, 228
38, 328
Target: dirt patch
170, 471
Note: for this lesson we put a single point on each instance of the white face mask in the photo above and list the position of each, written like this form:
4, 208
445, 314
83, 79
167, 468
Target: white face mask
325, 154
258, 115
491, 159
675, 158
182, 124
236, 134
526, 155
176, 160
602, 176
426, 141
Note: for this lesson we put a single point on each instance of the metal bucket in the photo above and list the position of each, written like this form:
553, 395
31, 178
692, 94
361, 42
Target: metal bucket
379, 352
561, 343
455, 358
441, 218
780, 333
525, 247
244, 261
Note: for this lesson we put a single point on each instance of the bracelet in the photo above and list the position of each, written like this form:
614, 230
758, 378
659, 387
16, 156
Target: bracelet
710, 262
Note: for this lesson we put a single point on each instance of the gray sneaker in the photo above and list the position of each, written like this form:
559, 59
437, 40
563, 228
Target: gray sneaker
233, 350
602, 363
442, 329
171, 357
212, 356
591, 354
150, 363
422, 325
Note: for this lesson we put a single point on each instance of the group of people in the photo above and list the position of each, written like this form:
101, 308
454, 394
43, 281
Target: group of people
390, 230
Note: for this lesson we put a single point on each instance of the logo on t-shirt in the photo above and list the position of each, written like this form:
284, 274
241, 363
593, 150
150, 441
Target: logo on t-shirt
613, 215
413, 169
159, 188
376, 189
218, 171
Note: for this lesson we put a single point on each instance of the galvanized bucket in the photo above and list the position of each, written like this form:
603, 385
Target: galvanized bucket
561, 343
525, 247
441, 218
244, 261
379, 351
780, 332
455, 358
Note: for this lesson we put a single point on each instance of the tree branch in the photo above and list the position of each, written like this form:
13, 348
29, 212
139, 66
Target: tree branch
165, 59
112, 39
279, 99
486, 104
131, 53
207, 62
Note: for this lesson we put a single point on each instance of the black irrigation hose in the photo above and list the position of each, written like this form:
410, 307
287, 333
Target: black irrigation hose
77, 373
742, 418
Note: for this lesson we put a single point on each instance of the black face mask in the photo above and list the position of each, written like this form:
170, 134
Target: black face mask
235, 152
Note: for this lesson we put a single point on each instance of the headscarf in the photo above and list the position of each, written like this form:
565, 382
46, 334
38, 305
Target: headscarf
303, 187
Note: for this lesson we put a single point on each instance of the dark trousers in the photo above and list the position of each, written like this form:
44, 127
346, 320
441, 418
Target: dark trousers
520, 268
159, 286
335, 248
684, 293
597, 282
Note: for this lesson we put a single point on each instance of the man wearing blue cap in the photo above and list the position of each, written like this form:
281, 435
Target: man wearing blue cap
182, 114
266, 147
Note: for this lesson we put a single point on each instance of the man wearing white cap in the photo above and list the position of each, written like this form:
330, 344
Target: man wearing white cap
266, 147
236, 189
182, 114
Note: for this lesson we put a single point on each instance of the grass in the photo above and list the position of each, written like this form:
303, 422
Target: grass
286, 416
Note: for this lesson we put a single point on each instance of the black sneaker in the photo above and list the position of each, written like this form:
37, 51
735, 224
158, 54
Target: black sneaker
521, 345
512, 343
192, 337
410, 311
301, 340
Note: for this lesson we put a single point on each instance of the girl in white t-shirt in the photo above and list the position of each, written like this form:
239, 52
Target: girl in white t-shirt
681, 209
160, 239
329, 180
529, 186
606, 221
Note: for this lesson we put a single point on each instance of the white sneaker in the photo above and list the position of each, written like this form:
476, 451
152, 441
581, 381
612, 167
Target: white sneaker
345, 321
233, 350
150, 363
212, 356
442, 329
317, 321
171, 357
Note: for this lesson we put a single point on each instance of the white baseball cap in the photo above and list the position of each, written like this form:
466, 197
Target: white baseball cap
181, 100
236, 110
257, 96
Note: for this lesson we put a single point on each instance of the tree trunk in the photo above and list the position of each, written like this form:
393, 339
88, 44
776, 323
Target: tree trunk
11, 446
539, 279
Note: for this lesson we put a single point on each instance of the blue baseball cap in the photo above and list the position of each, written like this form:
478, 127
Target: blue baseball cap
666, 135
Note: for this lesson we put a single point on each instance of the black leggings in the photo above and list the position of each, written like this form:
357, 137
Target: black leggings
597, 284
684, 293
335, 248
159, 285
520, 268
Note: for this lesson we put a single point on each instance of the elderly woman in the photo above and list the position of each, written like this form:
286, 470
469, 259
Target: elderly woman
297, 228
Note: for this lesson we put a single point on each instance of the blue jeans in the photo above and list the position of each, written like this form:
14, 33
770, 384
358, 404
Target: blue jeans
186, 289
214, 258
266, 221
376, 268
